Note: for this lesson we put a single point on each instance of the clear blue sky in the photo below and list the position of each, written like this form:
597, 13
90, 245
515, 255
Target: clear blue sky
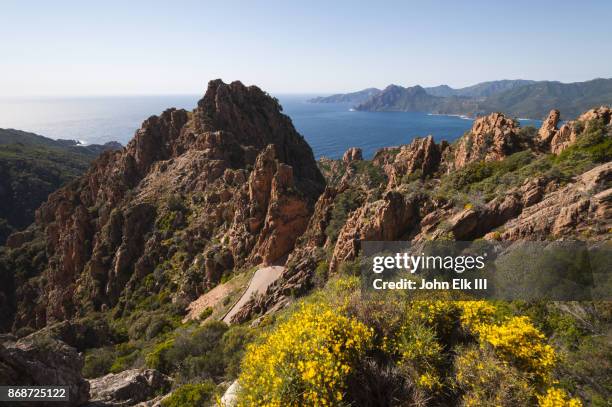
173, 46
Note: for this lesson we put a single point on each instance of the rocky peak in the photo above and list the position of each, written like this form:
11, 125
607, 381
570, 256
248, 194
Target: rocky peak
237, 164
255, 120
491, 138
569, 132
421, 157
352, 154
549, 127
602, 112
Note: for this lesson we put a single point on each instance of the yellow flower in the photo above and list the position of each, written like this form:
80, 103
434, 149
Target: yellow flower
557, 398
305, 361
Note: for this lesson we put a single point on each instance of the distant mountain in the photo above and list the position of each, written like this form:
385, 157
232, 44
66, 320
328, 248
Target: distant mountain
536, 100
353, 97
519, 98
33, 166
416, 99
398, 98
441, 91
480, 90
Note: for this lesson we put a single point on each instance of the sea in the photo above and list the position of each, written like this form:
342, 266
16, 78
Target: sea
329, 128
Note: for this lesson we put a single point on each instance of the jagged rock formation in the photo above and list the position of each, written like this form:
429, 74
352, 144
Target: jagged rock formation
583, 207
127, 388
43, 361
352, 154
386, 219
297, 277
235, 165
421, 157
491, 138
568, 133
549, 127
539, 208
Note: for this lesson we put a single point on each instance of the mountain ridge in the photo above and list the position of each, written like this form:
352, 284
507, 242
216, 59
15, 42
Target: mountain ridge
519, 98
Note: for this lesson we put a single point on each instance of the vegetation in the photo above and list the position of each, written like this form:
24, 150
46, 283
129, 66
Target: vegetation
494, 178
191, 395
533, 100
331, 347
306, 361
345, 203
31, 167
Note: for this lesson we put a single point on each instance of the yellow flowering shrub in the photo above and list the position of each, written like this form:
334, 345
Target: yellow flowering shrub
420, 355
484, 380
416, 344
476, 313
304, 361
557, 398
515, 340
518, 341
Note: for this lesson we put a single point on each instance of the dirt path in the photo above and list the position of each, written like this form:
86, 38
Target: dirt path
210, 299
259, 283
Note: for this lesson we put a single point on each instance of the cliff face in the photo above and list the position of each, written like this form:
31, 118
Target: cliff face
230, 184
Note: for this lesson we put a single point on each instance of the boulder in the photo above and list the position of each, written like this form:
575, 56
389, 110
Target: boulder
44, 361
230, 397
128, 387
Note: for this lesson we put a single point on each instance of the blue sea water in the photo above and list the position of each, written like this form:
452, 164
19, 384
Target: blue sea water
329, 128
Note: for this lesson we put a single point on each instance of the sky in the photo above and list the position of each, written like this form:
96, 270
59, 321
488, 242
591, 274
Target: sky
78, 48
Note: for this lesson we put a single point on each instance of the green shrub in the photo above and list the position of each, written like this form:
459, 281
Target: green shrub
321, 274
158, 357
191, 352
233, 343
376, 176
345, 203
205, 313
122, 363
98, 362
191, 395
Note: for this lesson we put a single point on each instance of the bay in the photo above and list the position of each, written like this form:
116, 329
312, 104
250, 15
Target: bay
329, 128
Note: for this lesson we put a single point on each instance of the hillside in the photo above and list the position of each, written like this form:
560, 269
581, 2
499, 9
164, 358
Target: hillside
518, 98
352, 98
31, 167
415, 99
480, 90
536, 100
213, 249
